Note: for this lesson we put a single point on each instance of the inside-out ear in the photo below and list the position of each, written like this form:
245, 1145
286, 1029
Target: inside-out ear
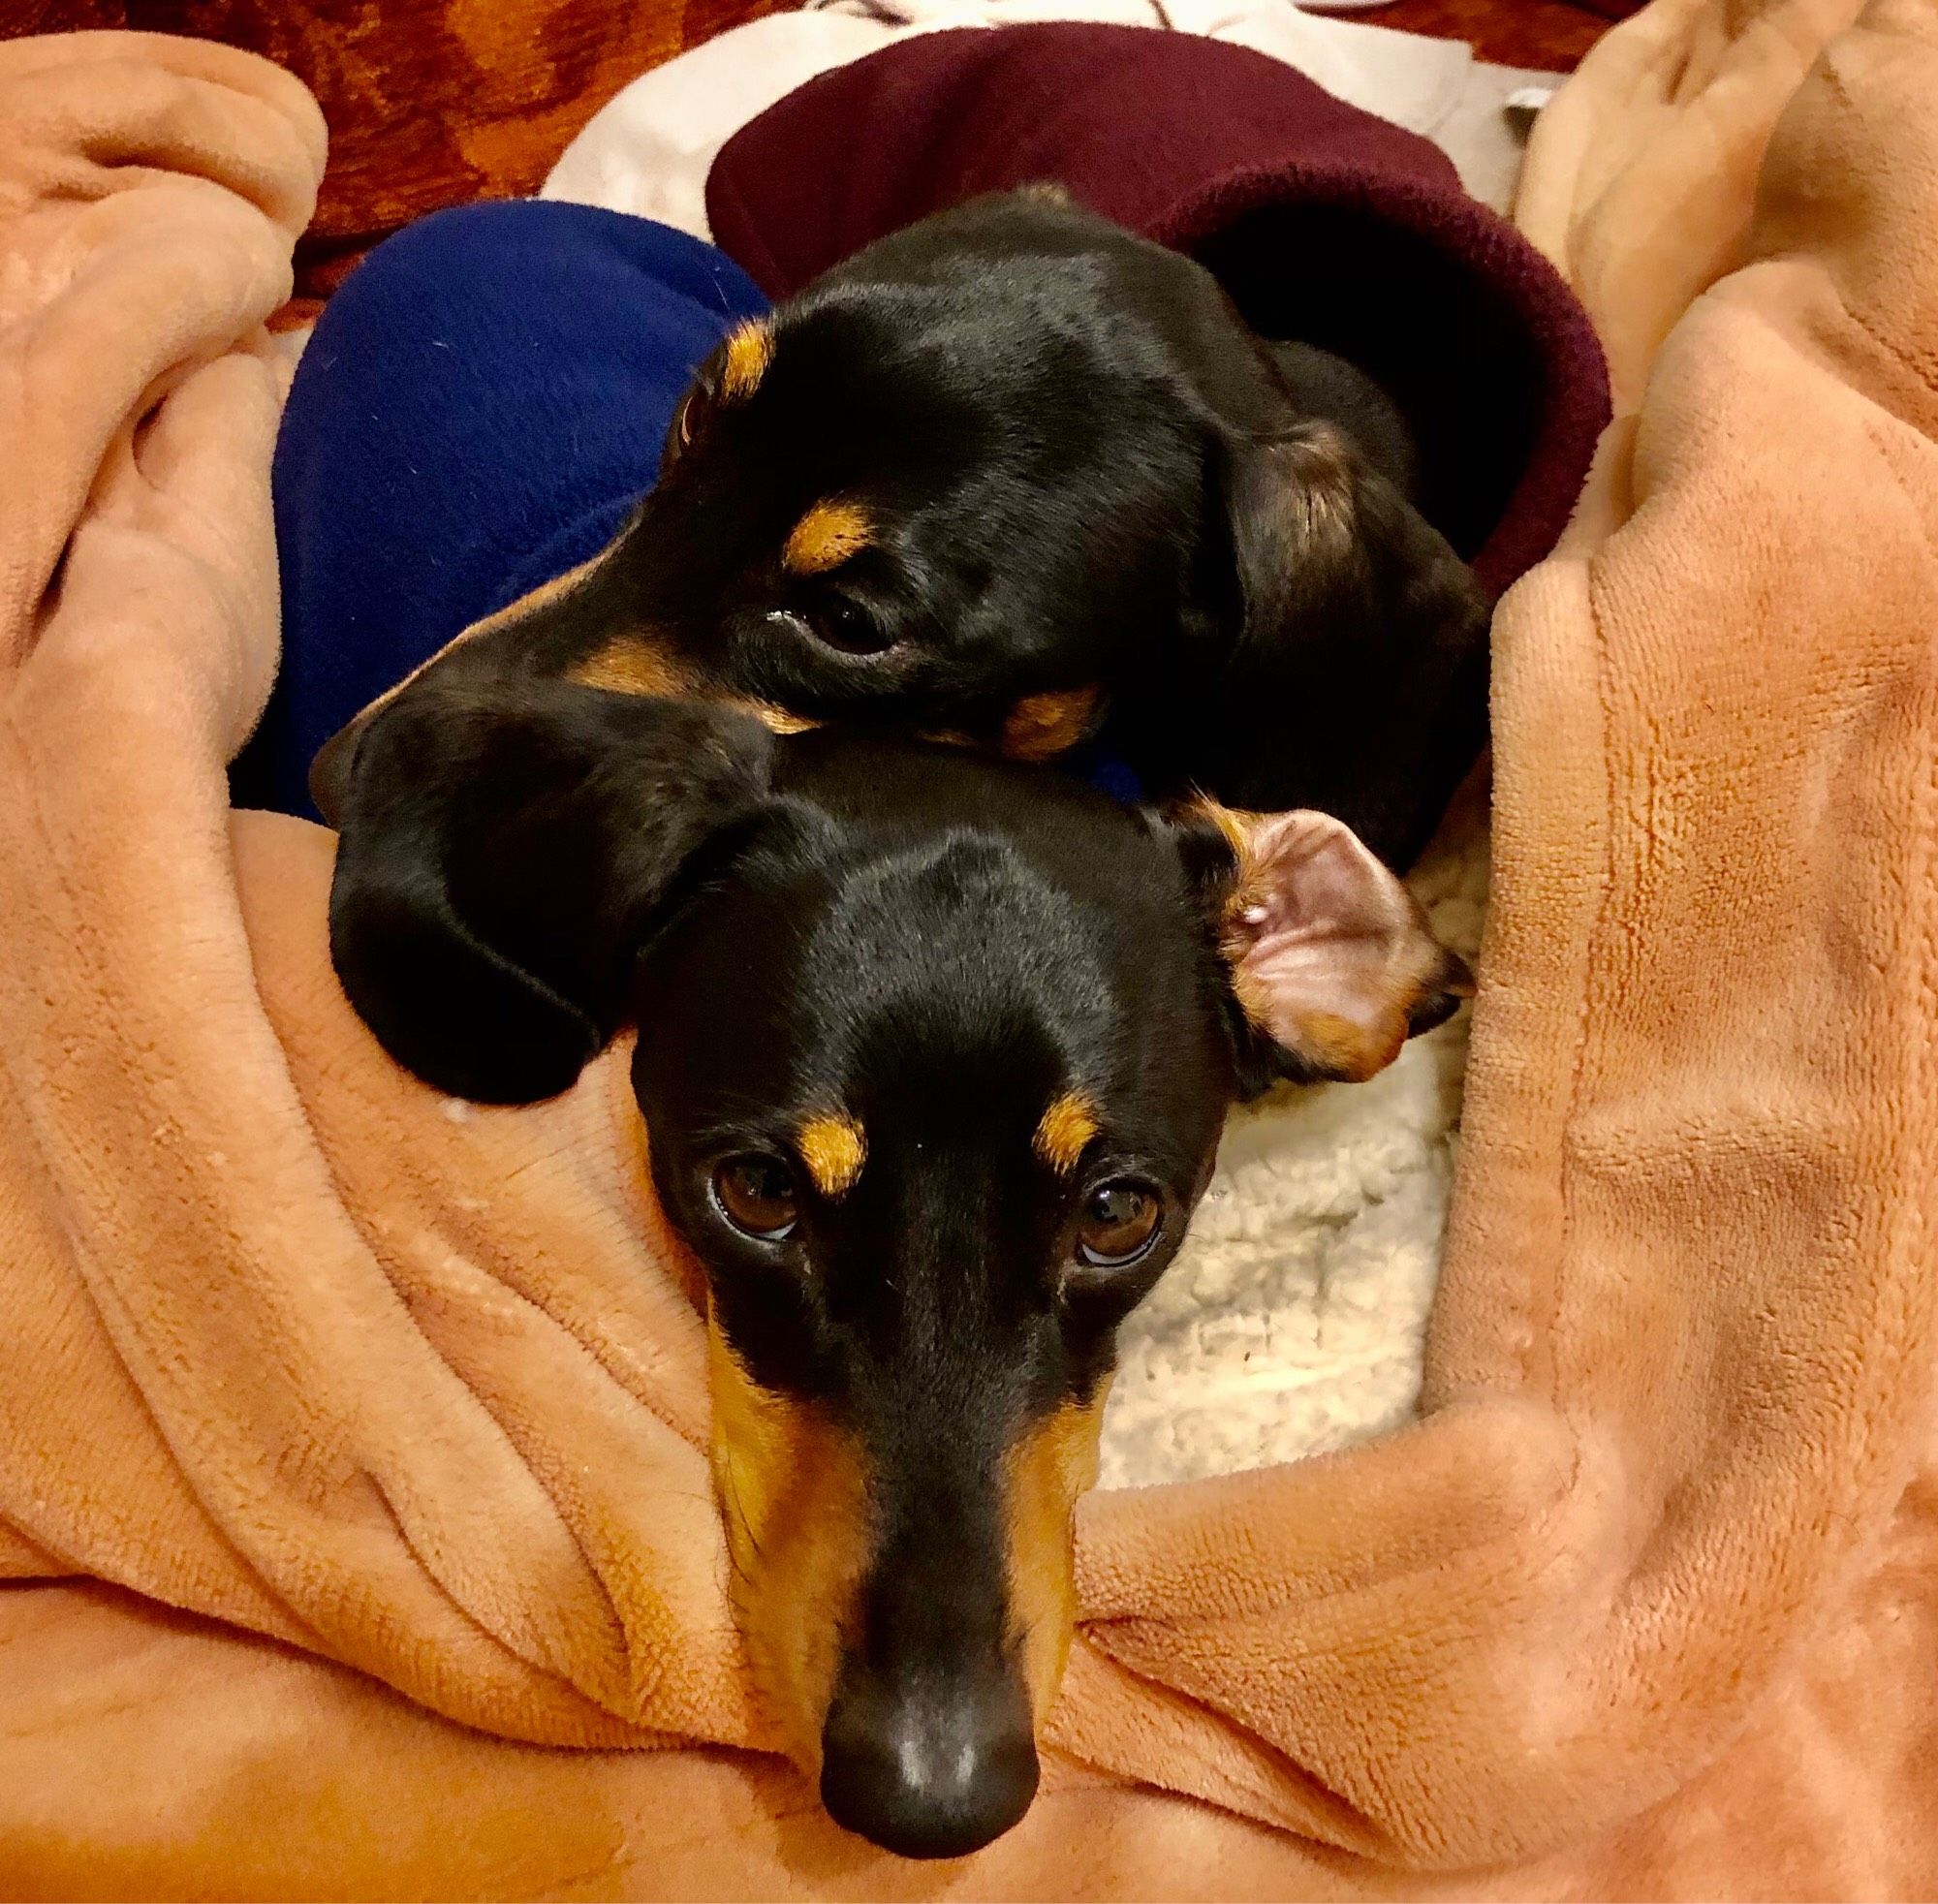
1331, 959
501, 855
1362, 631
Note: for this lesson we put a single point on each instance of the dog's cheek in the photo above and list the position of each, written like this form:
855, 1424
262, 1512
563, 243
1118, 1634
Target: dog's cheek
638, 663
1053, 1462
1042, 725
793, 1488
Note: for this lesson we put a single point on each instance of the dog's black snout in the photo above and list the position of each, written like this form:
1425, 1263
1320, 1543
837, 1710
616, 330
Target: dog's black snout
936, 1770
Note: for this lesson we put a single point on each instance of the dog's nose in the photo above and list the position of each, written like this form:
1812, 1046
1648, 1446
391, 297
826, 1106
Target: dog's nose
931, 1773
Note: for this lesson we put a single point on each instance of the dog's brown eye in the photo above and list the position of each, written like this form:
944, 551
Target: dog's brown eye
837, 625
848, 630
756, 1195
1120, 1223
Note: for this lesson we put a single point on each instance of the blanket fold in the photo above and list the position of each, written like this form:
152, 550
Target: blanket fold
1647, 1603
254, 1365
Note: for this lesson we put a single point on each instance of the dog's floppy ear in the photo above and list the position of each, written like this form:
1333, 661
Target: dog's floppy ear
1359, 625
502, 852
1330, 960
1318, 534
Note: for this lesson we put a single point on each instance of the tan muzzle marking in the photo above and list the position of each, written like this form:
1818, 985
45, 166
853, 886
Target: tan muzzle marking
792, 1489
1047, 1470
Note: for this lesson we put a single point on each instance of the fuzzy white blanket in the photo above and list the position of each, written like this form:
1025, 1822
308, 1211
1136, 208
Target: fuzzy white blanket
1294, 1321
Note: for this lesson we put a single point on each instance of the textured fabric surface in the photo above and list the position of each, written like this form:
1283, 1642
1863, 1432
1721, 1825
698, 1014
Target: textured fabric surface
1649, 1603
1544, 33
1554, 34
434, 102
478, 410
248, 1365
429, 102
1322, 222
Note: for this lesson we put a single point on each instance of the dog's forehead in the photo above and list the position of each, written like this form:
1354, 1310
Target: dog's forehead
941, 954
895, 379
934, 854
939, 947
929, 423
955, 990
809, 444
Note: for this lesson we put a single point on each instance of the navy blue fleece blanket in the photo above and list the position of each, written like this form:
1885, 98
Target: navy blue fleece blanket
480, 406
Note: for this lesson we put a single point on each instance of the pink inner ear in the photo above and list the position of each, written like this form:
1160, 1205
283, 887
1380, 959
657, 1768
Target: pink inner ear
1330, 953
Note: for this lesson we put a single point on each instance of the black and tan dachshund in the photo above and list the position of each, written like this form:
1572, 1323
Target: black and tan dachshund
1013, 476
933, 1053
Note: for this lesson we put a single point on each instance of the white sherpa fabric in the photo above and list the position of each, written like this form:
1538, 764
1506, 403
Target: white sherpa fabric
1294, 1321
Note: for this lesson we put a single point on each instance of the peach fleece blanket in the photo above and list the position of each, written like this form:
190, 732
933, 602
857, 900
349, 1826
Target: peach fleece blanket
310, 1370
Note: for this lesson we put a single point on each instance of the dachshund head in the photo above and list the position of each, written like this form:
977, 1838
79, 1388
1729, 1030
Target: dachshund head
932, 1055
1012, 476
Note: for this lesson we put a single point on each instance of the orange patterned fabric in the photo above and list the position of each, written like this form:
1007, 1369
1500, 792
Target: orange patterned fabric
1549, 34
434, 103
18, 18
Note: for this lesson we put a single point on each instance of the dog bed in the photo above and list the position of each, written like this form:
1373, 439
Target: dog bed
1294, 1322
649, 148
332, 1412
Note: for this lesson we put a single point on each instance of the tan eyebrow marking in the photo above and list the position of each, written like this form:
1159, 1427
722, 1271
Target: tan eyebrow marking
826, 537
750, 349
833, 1146
1067, 1125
